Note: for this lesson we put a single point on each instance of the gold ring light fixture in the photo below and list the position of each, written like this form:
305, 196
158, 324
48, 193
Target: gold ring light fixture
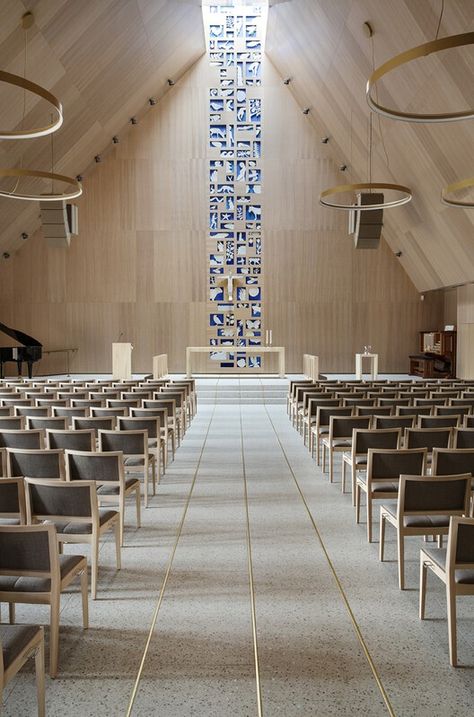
457, 187
28, 86
428, 48
326, 196
75, 187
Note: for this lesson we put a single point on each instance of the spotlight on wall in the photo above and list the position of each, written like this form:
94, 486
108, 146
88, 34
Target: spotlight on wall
152, 102
170, 82
306, 111
115, 139
133, 120
24, 235
342, 167
324, 140
78, 177
287, 80
398, 254
97, 158
6, 255
368, 29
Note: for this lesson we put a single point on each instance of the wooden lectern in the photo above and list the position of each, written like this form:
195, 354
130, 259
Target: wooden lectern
122, 362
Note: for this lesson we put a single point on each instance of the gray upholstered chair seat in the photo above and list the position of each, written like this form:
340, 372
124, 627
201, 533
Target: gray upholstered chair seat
14, 583
10, 521
14, 639
438, 556
340, 443
380, 486
359, 460
135, 461
74, 528
152, 443
114, 489
418, 521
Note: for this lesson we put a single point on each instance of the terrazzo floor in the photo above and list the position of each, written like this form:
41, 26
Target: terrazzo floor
242, 479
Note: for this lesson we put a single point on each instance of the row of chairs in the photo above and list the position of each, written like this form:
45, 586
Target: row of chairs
421, 478
67, 483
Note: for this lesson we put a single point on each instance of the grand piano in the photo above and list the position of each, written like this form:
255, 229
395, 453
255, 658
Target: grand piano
29, 352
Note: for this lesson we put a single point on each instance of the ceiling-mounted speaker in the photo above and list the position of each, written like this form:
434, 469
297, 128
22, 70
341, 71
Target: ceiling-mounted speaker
367, 225
59, 221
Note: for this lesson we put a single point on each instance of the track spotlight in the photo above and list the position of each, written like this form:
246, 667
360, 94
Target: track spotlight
6, 255
115, 139
152, 102
306, 111
342, 167
78, 177
398, 254
97, 158
287, 81
324, 140
170, 82
24, 235
133, 120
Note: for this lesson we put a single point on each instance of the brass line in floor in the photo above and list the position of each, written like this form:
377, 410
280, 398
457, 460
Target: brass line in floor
345, 599
253, 610
168, 571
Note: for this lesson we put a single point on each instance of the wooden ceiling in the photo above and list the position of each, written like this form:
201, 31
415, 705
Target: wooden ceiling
321, 46
103, 59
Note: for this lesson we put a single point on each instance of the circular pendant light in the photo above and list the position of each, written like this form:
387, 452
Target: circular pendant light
406, 196
428, 48
456, 187
74, 191
39, 91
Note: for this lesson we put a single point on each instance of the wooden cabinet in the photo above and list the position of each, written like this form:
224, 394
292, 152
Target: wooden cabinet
437, 357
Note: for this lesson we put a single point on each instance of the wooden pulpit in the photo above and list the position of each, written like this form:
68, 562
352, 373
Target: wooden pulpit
122, 362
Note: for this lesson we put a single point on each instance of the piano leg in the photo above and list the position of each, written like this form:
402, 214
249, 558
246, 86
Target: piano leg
19, 364
1, 371
30, 369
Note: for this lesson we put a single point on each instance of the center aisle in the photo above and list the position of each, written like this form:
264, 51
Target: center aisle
201, 656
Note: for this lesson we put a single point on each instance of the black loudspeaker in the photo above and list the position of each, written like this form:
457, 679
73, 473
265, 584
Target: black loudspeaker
367, 225
59, 222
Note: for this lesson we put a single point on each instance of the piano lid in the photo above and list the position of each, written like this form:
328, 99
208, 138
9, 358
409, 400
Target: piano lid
19, 336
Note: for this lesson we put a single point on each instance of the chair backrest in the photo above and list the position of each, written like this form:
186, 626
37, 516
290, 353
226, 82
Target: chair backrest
357, 401
30, 551
169, 404
429, 402
342, 426
323, 415
31, 410
363, 439
452, 410
12, 423
468, 421
444, 394
100, 467
394, 421
413, 411
12, 499
131, 442
73, 502
453, 460
394, 402
35, 463
419, 495
179, 397
428, 438
69, 412
373, 410
78, 440
6, 411
109, 412
383, 464
160, 414
22, 439
321, 400
151, 425
97, 424
460, 550
463, 438
121, 403
439, 421
69, 395
57, 422
87, 403
41, 402
17, 401
462, 402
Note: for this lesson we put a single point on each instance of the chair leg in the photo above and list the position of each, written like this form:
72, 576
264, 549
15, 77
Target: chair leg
331, 464
369, 517
324, 458
357, 505
382, 535
155, 473
11, 613
39, 669
54, 636
122, 516
85, 597
343, 476
423, 572
94, 565
137, 497
452, 632
401, 558
118, 558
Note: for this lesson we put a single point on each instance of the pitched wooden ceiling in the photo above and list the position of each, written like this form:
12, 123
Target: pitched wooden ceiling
321, 46
103, 59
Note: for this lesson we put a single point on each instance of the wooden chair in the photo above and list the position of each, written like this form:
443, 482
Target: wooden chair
107, 470
428, 438
455, 567
310, 416
174, 425
384, 468
424, 507
182, 412
17, 644
373, 411
12, 423
96, 424
413, 411
38, 411
109, 412
74, 510
42, 463
339, 439
452, 411
321, 428
463, 438
394, 421
69, 413
33, 571
166, 431
439, 421
12, 502
137, 459
22, 439
362, 440
79, 440
41, 424
156, 441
